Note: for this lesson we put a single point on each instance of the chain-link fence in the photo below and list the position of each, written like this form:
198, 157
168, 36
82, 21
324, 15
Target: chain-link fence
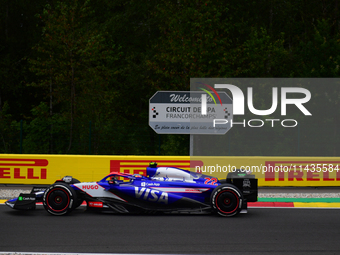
303, 140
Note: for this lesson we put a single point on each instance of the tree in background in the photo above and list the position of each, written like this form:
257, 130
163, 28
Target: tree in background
79, 62
75, 64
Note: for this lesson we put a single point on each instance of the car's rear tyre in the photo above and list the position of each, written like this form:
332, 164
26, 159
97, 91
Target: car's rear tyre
59, 199
226, 200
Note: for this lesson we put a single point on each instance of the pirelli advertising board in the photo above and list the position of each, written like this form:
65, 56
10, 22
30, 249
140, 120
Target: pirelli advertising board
270, 171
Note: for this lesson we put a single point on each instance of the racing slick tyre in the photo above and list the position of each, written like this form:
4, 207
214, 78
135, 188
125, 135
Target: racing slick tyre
80, 199
226, 200
59, 199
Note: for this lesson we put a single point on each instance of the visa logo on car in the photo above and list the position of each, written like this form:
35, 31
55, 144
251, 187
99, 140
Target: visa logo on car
151, 195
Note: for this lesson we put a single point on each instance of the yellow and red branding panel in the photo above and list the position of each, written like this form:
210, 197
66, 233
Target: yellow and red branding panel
45, 169
278, 171
11, 168
271, 171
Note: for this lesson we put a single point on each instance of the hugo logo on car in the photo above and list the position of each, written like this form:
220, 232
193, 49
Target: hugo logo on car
89, 187
160, 189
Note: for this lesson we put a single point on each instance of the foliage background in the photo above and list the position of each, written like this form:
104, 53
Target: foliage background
77, 75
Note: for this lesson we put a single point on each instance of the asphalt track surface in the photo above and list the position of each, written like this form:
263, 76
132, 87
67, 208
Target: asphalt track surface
261, 231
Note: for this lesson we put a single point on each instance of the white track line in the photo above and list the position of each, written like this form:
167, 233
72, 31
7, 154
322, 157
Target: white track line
56, 253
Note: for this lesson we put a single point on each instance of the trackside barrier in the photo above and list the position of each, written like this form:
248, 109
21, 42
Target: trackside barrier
271, 171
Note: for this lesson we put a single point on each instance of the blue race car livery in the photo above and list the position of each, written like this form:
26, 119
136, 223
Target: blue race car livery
163, 189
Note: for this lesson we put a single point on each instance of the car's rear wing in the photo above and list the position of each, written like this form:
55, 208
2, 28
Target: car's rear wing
247, 183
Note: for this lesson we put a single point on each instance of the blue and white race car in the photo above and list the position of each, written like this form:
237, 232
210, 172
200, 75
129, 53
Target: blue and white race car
163, 189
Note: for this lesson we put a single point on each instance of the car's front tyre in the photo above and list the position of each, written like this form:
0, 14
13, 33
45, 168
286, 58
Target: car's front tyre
59, 199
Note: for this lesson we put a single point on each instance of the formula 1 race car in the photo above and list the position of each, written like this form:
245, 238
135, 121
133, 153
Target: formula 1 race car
163, 189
